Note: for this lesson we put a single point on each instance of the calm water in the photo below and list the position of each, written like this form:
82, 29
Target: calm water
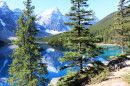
51, 56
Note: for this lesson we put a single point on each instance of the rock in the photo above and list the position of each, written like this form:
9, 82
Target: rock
106, 63
53, 82
128, 56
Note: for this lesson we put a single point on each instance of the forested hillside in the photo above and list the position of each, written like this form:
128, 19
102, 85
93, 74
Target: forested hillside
105, 23
103, 28
46, 39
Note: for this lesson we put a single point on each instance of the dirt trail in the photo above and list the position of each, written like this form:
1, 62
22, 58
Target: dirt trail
115, 78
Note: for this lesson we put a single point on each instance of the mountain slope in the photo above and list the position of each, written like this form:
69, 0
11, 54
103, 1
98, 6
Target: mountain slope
105, 23
52, 19
49, 22
103, 28
7, 24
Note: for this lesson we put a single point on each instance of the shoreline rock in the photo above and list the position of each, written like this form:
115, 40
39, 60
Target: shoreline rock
54, 81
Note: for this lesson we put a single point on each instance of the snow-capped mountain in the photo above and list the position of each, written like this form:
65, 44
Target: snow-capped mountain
7, 24
52, 19
4, 8
49, 22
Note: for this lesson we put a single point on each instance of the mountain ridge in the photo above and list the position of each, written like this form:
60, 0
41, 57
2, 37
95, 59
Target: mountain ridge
49, 22
102, 28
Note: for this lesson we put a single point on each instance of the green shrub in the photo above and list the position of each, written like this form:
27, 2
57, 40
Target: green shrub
126, 77
101, 76
72, 79
120, 56
69, 80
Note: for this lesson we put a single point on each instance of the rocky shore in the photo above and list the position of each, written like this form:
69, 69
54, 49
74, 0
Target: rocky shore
114, 78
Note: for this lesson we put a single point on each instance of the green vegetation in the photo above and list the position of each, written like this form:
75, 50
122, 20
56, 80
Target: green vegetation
46, 39
27, 68
79, 39
81, 43
71, 79
126, 77
96, 73
101, 75
120, 23
122, 28
103, 28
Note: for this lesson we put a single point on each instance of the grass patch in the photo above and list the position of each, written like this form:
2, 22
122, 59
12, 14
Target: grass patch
126, 77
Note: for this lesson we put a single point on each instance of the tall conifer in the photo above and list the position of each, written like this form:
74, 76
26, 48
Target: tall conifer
27, 68
121, 26
79, 39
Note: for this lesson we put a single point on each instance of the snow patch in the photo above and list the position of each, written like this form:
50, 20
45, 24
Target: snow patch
2, 3
4, 7
4, 24
50, 11
5, 62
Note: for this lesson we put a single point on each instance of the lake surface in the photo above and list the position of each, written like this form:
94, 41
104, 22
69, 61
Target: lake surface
51, 56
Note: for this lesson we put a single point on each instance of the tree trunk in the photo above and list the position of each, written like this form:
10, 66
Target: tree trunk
80, 58
122, 45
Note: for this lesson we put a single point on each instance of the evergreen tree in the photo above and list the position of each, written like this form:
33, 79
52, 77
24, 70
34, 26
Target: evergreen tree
121, 26
127, 21
27, 68
79, 39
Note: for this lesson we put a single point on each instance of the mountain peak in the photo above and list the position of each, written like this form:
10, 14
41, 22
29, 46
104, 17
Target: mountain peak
3, 4
17, 10
54, 10
4, 7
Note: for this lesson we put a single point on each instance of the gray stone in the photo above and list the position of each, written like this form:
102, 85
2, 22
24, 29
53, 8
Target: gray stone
53, 82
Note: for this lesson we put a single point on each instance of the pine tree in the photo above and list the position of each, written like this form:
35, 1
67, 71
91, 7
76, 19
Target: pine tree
121, 26
79, 39
127, 21
27, 68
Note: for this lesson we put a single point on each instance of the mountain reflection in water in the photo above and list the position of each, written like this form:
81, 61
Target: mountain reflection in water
51, 56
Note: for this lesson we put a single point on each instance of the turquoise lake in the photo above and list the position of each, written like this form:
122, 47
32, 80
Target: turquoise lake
51, 56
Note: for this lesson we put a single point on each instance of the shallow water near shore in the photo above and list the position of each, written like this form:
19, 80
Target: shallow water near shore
51, 55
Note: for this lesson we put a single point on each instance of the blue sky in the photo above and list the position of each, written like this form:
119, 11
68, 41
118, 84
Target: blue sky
101, 7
